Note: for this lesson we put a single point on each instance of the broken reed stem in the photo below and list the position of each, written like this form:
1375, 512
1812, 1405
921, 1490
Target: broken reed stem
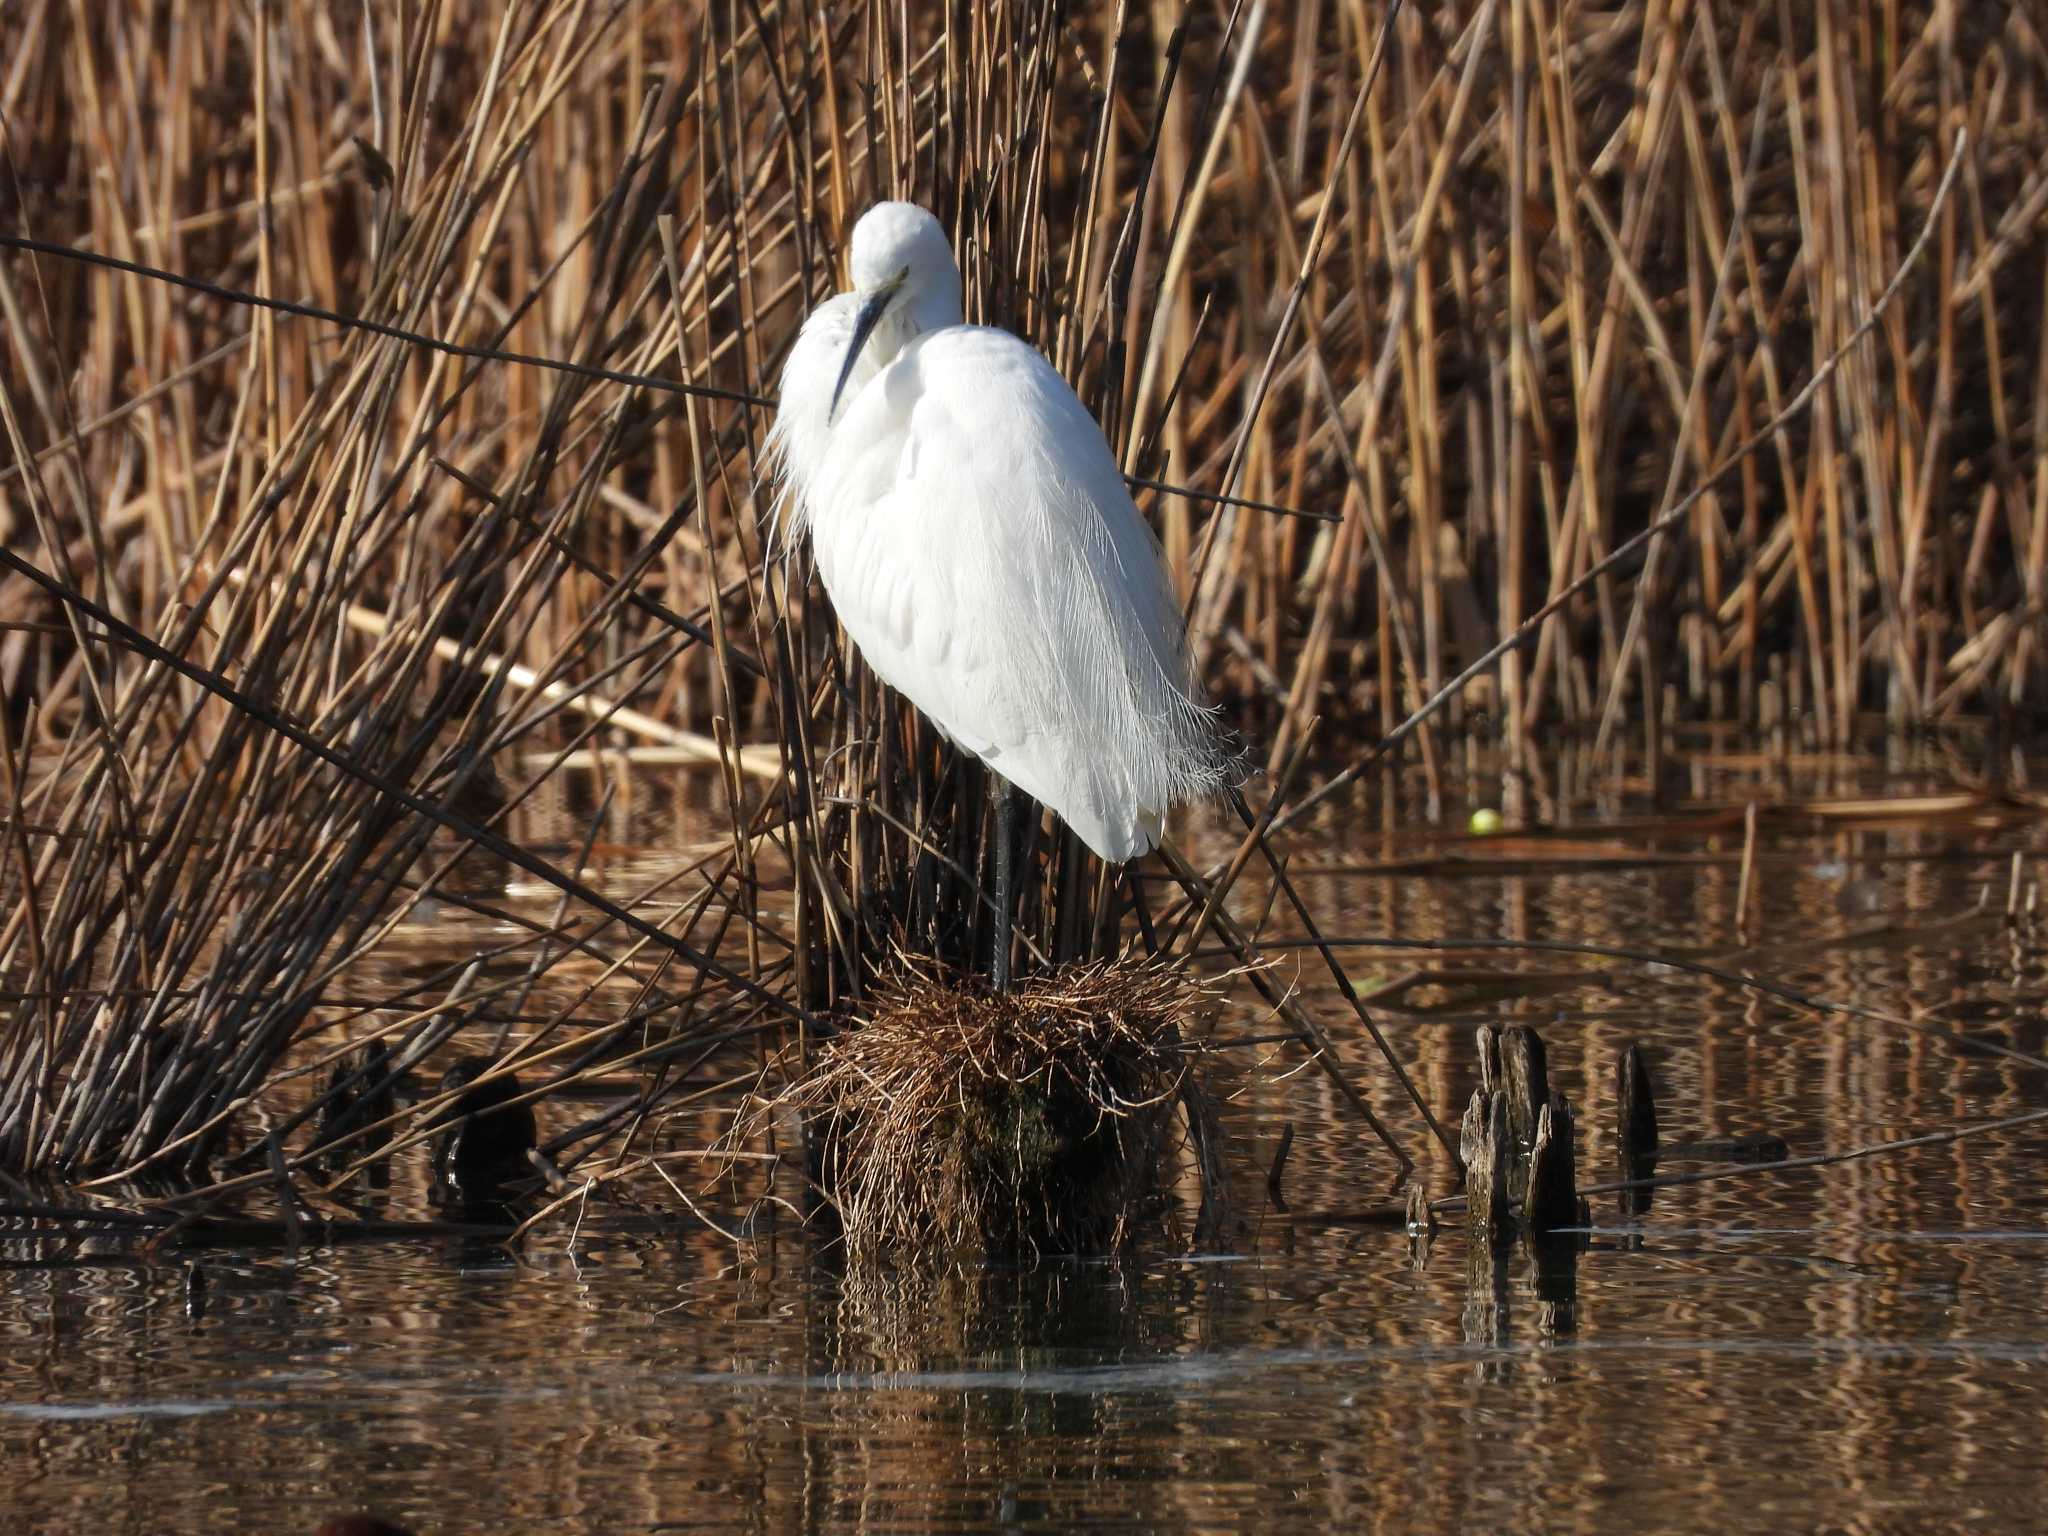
1748, 871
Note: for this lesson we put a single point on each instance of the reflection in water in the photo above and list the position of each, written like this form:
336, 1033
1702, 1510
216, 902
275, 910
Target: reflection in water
1864, 1346
1544, 1271
1700, 1379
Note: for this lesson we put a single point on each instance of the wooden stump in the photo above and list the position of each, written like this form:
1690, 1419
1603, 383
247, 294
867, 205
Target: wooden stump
1488, 1148
1635, 1130
1553, 1196
1635, 1099
1520, 1168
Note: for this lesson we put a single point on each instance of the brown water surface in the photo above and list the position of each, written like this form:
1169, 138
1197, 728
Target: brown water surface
1859, 1348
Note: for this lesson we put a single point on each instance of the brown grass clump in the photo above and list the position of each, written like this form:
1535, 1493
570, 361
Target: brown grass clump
952, 1119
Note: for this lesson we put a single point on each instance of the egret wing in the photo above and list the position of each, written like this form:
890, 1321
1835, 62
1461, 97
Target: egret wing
987, 560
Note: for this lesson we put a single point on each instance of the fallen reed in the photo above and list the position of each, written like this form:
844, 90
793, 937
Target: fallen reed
298, 615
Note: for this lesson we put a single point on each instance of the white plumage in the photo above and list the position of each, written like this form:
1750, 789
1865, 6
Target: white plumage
979, 545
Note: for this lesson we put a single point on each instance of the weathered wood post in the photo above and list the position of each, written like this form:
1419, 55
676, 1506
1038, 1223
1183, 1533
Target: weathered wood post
1635, 1101
1635, 1129
1521, 1181
1521, 1174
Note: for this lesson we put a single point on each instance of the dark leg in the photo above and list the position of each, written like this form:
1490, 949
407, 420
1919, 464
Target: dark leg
1137, 889
1001, 799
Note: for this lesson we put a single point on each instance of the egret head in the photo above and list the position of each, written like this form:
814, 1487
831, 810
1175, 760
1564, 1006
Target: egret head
905, 278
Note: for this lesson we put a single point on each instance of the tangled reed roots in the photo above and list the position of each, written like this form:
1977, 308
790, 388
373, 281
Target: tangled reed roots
953, 1119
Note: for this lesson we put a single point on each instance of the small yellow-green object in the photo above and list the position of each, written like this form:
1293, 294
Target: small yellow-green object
1485, 821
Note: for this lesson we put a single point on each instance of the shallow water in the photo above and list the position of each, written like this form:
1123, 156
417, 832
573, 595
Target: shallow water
1857, 1348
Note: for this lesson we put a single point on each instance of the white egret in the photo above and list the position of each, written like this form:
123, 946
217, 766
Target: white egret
981, 549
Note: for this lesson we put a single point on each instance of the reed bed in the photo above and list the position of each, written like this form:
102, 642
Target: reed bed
299, 609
